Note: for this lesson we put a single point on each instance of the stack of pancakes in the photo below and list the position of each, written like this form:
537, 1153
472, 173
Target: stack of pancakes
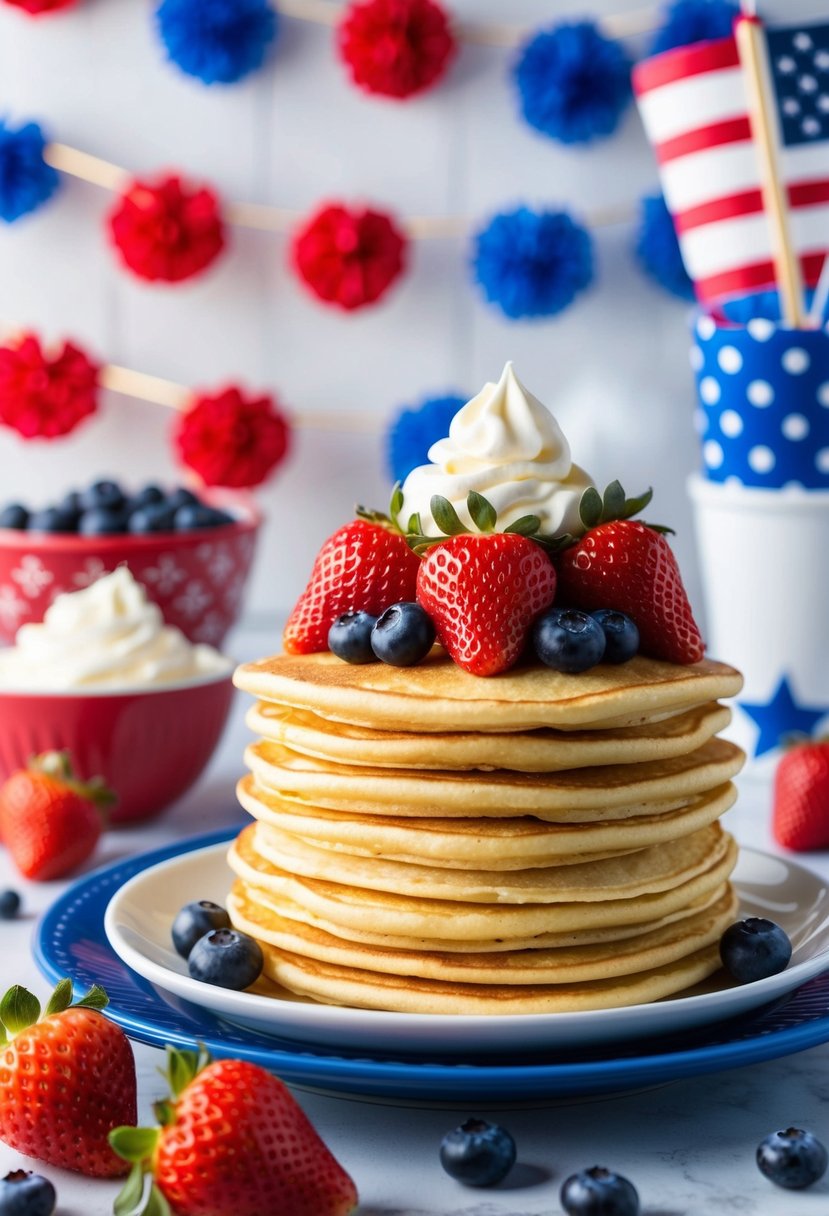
431, 842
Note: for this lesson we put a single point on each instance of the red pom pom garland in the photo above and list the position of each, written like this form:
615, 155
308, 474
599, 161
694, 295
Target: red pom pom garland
396, 47
43, 396
41, 8
167, 230
230, 439
348, 258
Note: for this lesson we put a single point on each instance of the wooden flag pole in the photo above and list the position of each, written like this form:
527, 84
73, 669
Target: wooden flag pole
762, 110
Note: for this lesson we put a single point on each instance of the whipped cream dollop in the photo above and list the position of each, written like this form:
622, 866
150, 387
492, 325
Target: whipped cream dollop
508, 447
107, 635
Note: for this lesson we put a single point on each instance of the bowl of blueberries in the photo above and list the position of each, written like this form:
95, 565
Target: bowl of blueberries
192, 552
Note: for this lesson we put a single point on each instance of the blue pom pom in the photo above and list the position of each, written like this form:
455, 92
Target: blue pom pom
26, 181
574, 83
688, 21
657, 248
219, 41
414, 429
532, 263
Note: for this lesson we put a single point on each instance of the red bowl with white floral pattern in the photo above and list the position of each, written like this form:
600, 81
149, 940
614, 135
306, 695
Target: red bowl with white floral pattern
197, 578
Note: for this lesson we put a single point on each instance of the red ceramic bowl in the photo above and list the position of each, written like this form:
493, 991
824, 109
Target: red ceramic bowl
150, 745
196, 578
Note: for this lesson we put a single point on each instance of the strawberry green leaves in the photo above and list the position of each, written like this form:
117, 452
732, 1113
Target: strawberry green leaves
20, 1009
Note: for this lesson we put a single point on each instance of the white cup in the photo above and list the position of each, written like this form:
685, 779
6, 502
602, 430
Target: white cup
764, 559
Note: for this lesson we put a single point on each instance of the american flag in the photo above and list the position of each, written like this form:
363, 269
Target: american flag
694, 104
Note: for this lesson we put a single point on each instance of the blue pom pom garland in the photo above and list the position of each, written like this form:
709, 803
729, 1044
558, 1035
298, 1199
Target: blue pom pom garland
532, 263
26, 181
688, 21
657, 248
414, 429
574, 83
217, 41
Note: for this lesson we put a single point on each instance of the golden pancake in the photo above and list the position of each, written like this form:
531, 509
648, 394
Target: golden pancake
576, 795
497, 844
437, 696
572, 964
541, 751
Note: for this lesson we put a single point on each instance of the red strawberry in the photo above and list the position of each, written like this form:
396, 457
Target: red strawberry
232, 1142
49, 821
483, 591
627, 565
365, 566
800, 819
66, 1079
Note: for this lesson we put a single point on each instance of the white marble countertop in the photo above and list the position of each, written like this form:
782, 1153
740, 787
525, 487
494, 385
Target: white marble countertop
688, 1146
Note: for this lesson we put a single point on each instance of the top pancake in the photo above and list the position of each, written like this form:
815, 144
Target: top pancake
438, 696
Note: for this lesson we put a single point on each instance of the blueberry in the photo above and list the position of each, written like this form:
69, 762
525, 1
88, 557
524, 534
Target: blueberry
71, 504
23, 1193
9, 905
792, 1159
193, 921
14, 516
754, 948
147, 496
102, 494
52, 519
568, 640
599, 1192
155, 517
102, 521
403, 635
192, 515
620, 635
181, 497
227, 958
478, 1153
349, 638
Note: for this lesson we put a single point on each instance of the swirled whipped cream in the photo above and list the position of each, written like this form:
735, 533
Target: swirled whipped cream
107, 635
508, 447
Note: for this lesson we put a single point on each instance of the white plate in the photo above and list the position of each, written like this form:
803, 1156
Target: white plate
139, 916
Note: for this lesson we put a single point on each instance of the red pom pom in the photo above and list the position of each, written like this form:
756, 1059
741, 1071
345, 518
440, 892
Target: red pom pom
168, 230
37, 8
396, 47
349, 258
232, 440
42, 396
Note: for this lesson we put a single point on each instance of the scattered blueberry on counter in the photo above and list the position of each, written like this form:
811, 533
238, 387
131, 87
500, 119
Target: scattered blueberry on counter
599, 1192
9, 905
754, 948
478, 1153
23, 1193
193, 921
227, 958
793, 1158
106, 509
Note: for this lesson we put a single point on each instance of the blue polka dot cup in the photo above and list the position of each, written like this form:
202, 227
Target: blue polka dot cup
763, 393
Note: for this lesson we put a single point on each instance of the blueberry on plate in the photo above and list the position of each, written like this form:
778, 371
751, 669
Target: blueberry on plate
403, 635
52, 519
478, 1153
154, 517
23, 1193
621, 635
102, 494
14, 515
193, 921
568, 640
227, 958
754, 948
9, 904
599, 1192
102, 521
793, 1159
349, 638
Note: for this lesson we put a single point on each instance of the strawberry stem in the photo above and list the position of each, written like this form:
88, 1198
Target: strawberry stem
58, 766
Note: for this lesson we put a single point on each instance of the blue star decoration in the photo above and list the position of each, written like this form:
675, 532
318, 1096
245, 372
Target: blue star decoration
782, 716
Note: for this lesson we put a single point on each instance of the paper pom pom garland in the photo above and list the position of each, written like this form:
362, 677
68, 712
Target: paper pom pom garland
26, 181
168, 230
40, 8
395, 47
688, 21
44, 396
657, 248
231, 439
348, 258
574, 84
414, 429
532, 263
217, 41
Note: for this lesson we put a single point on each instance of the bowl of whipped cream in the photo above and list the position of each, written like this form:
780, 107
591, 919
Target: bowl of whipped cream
128, 695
